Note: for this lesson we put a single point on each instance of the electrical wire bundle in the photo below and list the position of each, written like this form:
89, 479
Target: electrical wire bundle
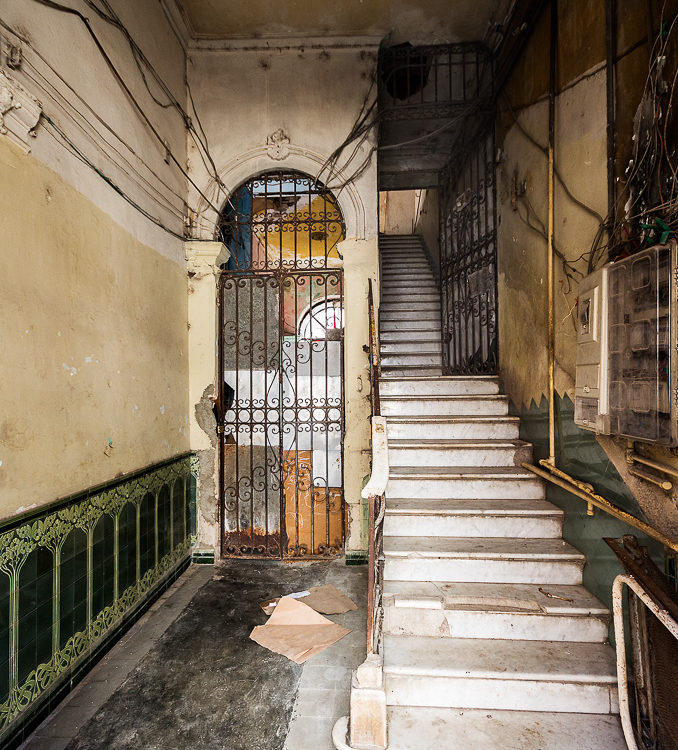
650, 194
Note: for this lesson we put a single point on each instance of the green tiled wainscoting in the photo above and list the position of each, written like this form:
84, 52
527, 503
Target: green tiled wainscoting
73, 574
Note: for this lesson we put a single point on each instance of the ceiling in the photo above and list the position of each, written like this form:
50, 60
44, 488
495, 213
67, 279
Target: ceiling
416, 21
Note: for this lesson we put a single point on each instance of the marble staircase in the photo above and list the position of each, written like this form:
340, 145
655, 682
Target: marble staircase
490, 639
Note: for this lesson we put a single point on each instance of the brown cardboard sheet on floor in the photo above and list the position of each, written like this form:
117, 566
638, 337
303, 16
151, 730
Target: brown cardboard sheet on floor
326, 599
297, 631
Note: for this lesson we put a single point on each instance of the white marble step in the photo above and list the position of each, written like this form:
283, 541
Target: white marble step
403, 250
448, 385
416, 316
425, 728
515, 611
432, 324
484, 560
461, 517
427, 297
453, 428
403, 273
502, 674
393, 286
408, 345
431, 452
412, 334
396, 262
398, 370
419, 406
423, 359
414, 306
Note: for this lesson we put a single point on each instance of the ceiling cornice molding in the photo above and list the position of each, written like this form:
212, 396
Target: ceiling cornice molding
179, 22
286, 43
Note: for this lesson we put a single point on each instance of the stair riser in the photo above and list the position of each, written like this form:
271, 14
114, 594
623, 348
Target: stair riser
407, 325
458, 456
414, 306
409, 347
472, 526
453, 430
395, 371
402, 264
402, 251
413, 336
405, 272
424, 358
415, 316
430, 297
483, 570
482, 489
491, 625
392, 406
410, 287
441, 387
521, 695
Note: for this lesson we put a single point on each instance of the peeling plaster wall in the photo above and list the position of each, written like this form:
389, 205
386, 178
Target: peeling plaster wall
93, 294
94, 342
427, 225
68, 48
314, 96
397, 211
419, 21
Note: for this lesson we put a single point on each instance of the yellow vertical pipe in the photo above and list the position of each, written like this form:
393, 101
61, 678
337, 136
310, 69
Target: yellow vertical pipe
551, 187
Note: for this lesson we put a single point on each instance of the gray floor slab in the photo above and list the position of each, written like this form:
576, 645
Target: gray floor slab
188, 676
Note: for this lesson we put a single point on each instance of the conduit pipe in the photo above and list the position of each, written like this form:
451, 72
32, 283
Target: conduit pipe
581, 490
551, 201
633, 457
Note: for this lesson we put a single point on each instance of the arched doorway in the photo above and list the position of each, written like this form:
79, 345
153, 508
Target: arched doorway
281, 359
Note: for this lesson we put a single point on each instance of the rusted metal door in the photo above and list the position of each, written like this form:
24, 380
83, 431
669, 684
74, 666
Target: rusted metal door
281, 360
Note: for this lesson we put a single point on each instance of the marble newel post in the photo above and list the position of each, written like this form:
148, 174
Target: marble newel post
203, 260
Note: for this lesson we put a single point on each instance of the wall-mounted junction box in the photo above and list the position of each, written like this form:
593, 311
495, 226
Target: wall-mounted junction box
627, 352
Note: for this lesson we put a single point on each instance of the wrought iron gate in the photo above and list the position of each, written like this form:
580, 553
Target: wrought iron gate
468, 268
281, 361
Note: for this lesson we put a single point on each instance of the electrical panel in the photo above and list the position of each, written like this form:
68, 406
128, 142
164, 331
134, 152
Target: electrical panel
626, 348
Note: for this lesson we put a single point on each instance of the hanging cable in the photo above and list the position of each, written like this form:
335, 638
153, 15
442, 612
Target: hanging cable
78, 153
123, 85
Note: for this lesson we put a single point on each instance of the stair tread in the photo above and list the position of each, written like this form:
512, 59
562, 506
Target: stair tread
452, 418
446, 378
575, 599
422, 728
446, 397
463, 472
497, 548
477, 443
471, 507
568, 661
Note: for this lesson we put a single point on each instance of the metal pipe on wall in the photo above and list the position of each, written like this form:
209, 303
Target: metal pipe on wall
610, 67
581, 490
551, 204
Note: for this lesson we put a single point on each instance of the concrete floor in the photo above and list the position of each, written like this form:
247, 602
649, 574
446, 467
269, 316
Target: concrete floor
187, 675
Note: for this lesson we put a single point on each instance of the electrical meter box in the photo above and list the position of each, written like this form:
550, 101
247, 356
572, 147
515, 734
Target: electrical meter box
626, 348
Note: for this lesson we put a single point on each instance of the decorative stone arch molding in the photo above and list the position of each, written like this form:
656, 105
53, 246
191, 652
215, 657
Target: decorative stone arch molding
278, 153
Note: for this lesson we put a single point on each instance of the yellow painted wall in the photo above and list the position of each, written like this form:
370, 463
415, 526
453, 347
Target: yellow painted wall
94, 337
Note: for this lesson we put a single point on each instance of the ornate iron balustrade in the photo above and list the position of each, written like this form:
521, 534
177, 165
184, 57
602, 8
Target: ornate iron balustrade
468, 254
433, 81
72, 572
